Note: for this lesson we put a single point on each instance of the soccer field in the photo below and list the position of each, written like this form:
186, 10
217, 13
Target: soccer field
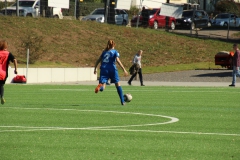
72, 122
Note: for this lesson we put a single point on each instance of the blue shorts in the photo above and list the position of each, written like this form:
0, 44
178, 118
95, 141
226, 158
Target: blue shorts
106, 74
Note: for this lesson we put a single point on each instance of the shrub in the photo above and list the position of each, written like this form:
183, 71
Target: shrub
35, 45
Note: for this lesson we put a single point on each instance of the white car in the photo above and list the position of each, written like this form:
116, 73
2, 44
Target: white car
121, 16
30, 8
223, 19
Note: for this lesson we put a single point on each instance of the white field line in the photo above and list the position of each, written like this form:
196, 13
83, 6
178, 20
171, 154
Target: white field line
145, 90
31, 129
106, 128
172, 119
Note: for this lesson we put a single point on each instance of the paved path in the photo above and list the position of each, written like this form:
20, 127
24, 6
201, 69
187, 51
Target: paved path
220, 34
197, 78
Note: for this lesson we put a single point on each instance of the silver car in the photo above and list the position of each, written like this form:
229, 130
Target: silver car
223, 19
121, 16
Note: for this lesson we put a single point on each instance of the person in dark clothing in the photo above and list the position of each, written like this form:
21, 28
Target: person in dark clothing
145, 17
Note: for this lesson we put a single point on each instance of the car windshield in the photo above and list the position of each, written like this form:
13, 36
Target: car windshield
149, 11
153, 11
24, 3
187, 14
98, 11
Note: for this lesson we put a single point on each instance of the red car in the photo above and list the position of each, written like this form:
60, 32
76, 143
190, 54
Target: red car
153, 19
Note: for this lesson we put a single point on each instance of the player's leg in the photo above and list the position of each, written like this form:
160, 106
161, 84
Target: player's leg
2, 93
120, 92
234, 73
115, 79
130, 80
140, 76
102, 81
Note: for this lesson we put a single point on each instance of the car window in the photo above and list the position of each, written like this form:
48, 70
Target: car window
218, 16
122, 12
37, 4
98, 11
233, 16
117, 12
24, 3
225, 16
187, 14
152, 11
199, 14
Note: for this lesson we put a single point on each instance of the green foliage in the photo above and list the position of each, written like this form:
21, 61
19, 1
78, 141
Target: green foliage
2, 4
34, 43
85, 8
133, 11
227, 6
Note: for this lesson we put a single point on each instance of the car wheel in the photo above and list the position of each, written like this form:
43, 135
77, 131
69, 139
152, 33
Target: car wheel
155, 25
56, 16
225, 24
193, 26
29, 15
172, 26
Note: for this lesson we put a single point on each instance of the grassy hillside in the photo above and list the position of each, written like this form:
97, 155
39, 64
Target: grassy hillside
70, 43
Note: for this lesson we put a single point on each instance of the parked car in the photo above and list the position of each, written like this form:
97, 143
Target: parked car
149, 14
224, 59
159, 21
223, 19
121, 16
153, 19
201, 19
30, 8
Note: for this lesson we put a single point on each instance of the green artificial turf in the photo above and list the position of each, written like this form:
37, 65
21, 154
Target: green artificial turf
72, 122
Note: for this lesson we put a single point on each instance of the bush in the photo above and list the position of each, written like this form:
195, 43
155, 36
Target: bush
133, 11
2, 4
85, 8
35, 45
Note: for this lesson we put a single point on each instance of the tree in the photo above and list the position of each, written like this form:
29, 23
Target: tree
227, 6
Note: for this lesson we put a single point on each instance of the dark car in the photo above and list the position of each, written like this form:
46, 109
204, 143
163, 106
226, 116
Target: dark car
200, 19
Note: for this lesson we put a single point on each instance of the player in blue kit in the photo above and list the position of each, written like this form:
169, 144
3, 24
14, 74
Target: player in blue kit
108, 69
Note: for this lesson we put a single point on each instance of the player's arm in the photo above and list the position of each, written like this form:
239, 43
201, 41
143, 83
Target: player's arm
96, 64
121, 65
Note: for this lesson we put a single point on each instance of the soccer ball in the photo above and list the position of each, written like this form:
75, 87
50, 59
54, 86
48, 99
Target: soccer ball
127, 97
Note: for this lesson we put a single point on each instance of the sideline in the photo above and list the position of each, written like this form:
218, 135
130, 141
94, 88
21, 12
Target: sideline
151, 83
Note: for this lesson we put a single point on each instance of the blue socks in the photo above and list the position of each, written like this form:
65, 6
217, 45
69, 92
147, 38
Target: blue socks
120, 93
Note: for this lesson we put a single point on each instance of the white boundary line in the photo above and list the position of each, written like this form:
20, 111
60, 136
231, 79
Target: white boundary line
172, 119
106, 128
135, 90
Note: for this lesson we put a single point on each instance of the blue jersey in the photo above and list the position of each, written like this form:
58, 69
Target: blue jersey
108, 66
109, 59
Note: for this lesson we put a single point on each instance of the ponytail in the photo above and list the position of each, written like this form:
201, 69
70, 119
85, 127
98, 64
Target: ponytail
110, 45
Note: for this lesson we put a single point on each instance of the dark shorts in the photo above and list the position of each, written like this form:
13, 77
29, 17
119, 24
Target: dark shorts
2, 81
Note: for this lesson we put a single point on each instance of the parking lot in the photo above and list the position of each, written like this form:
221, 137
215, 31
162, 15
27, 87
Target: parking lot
210, 33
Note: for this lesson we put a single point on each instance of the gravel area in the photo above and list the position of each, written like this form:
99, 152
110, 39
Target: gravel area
218, 75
